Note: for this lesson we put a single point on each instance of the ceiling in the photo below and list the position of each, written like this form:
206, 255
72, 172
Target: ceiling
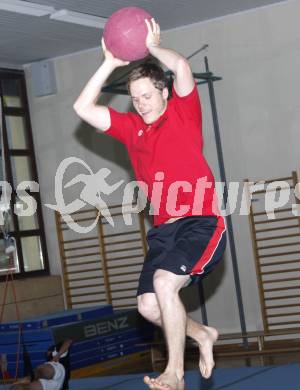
25, 39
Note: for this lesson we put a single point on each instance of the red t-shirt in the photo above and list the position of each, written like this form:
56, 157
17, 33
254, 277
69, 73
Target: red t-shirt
171, 145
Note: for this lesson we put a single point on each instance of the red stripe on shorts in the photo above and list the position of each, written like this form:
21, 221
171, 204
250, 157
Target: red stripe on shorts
211, 248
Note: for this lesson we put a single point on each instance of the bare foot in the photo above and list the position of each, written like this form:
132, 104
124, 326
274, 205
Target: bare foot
207, 337
165, 381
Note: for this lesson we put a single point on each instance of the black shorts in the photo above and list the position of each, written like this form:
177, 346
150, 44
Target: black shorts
189, 246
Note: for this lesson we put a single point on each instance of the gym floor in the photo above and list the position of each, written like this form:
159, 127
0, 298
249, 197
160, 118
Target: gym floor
242, 378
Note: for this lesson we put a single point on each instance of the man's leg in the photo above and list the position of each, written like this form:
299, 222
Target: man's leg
173, 317
205, 336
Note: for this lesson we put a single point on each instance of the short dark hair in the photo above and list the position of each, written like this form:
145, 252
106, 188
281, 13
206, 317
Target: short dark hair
148, 69
44, 371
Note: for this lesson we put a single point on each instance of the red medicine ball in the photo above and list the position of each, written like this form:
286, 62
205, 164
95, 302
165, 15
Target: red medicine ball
125, 33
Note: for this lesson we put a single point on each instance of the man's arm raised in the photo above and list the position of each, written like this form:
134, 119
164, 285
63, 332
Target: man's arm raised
86, 105
184, 81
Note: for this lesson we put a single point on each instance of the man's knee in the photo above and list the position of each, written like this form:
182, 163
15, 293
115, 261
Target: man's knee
148, 307
166, 283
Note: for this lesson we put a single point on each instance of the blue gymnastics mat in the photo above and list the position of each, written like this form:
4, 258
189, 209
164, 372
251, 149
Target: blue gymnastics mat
243, 378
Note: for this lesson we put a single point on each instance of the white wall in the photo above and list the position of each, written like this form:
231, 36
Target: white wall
257, 53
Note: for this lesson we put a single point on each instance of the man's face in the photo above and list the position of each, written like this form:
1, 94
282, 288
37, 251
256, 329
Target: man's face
148, 101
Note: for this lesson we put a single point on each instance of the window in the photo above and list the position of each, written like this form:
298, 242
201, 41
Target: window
18, 163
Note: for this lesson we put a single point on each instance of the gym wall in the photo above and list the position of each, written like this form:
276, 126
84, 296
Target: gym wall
257, 54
